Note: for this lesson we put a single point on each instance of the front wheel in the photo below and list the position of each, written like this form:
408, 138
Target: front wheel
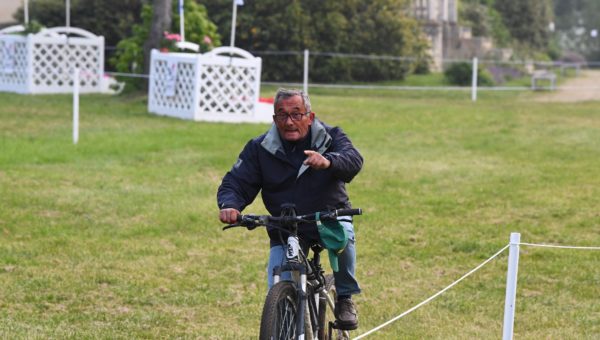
280, 313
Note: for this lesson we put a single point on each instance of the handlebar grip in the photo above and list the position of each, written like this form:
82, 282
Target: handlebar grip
248, 221
349, 212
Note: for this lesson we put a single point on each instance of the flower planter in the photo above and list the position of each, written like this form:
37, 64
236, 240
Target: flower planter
44, 62
222, 85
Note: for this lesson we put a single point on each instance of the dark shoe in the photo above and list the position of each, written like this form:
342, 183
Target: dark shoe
346, 315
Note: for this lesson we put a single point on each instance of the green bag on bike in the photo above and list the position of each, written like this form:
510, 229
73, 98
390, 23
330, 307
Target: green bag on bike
333, 237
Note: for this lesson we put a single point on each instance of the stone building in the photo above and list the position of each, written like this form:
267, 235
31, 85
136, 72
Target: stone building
7, 8
448, 40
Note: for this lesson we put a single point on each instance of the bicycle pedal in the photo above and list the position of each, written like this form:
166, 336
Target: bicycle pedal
335, 325
343, 334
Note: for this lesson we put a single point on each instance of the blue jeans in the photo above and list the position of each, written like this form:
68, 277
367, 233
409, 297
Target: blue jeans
345, 281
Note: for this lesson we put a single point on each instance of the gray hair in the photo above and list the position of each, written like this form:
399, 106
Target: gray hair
287, 93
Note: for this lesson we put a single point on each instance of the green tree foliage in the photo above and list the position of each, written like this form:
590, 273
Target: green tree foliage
484, 21
197, 25
130, 57
475, 15
499, 31
527, 21
112, 19
521, 24
377, 27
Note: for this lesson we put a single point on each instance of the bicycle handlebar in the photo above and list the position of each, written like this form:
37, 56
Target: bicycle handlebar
253, 221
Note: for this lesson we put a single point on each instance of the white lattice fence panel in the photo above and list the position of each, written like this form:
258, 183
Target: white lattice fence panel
229, 86
44, 62
208, 87
54, 62
227, 89
13, 63
172, 84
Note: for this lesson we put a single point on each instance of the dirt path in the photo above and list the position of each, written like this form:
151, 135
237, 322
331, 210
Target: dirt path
584, 87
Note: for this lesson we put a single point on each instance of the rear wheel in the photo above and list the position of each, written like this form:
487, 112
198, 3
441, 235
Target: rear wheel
326, 312
279, 313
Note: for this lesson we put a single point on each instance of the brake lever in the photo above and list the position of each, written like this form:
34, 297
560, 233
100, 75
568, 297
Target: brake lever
250, 225
229, 226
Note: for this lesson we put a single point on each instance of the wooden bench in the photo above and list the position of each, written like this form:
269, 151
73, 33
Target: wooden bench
543, 77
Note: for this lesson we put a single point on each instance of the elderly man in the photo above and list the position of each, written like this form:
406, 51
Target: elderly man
303, 161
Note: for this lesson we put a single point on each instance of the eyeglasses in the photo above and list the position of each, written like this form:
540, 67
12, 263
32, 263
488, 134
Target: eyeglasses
296, 116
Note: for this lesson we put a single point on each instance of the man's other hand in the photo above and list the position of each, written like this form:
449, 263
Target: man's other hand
315, 160
228, 215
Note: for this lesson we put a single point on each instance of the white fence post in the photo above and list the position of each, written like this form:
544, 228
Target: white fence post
26, 12
181, 21
511, 286
68, 14
305, 82
474, 81
75, 105
233, 20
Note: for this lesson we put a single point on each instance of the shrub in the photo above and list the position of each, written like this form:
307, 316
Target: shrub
33, 27
462, 73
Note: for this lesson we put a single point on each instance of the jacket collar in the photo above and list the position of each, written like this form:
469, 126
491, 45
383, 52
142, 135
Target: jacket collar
272, 141
320, 141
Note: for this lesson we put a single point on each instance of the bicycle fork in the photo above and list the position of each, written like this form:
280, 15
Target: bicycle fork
298, 271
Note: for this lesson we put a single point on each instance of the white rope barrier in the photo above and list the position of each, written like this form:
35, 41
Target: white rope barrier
433, 296
556, 246
517, 242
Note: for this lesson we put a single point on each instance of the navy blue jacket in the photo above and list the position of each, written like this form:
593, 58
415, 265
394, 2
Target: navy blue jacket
263, 165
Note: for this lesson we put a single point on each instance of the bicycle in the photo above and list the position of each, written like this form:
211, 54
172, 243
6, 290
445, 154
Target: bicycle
310, 291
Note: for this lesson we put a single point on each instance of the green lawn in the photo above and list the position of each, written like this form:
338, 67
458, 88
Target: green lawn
118, 237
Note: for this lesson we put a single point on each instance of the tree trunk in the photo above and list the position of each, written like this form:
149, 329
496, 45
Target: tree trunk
161, 22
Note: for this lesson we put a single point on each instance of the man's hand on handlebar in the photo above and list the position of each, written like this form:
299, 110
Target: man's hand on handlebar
229, 215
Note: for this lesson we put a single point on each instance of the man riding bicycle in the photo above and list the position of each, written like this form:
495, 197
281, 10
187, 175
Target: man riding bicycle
303, 161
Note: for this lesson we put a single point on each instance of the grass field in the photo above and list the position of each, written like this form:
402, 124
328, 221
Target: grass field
118, 237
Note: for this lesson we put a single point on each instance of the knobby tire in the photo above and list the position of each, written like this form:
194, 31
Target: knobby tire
279, 314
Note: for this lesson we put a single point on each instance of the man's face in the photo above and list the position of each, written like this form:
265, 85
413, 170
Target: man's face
285, 111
